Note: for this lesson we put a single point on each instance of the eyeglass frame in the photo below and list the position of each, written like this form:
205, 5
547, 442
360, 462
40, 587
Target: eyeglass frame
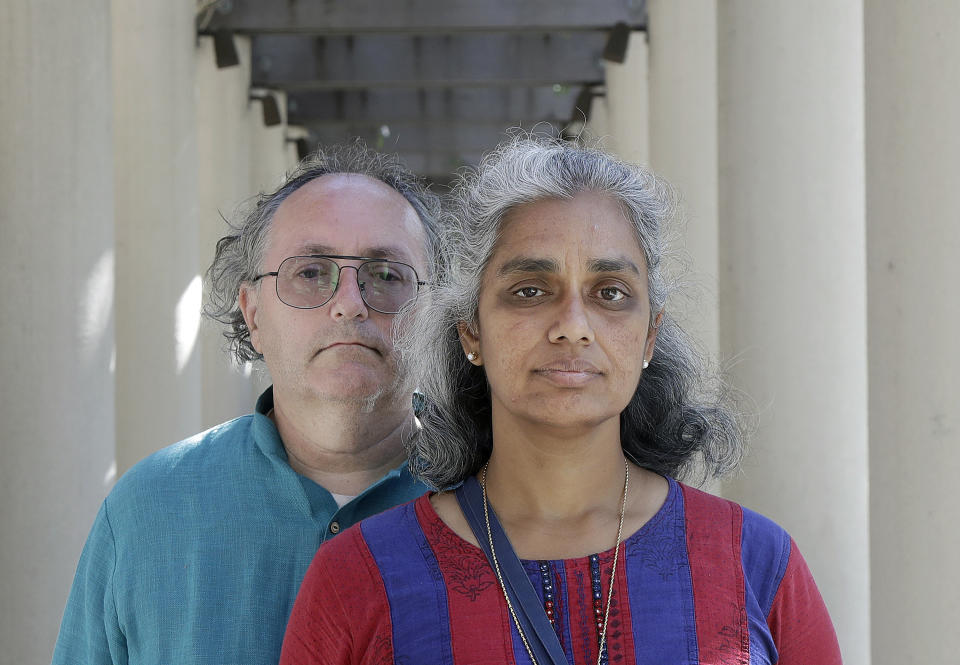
356, 270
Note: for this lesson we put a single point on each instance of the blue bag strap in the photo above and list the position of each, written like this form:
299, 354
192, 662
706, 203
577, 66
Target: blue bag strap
531, 616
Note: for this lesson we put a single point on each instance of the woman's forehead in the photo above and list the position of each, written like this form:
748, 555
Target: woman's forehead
589, 229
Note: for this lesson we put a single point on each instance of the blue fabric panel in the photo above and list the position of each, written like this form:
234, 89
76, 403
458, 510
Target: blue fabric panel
764, 553
412, 578
661, 589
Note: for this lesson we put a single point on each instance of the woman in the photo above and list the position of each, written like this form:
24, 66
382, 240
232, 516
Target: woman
563, 396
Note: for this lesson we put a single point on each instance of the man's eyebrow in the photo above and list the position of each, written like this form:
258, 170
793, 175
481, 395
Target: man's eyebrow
382, 252
523, 264
614, 265
315, 249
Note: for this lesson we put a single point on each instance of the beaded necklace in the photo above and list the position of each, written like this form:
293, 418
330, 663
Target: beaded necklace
552, 609
594, 570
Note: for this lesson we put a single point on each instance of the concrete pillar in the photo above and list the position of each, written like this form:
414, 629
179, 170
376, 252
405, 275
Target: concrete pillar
272, 154
224, 183
793, 281
159, 288
618, 118
913, 244
238, 157
626, 103
682, 39
56, 313
598, 125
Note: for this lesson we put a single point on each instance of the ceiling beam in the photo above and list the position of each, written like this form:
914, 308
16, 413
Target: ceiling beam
291, 62
422, 16
450, 136
503, 105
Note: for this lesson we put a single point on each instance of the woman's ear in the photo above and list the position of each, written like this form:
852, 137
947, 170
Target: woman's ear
469, 342
652, 337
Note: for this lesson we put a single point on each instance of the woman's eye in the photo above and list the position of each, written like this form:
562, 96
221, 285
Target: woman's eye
528, 292
611, 294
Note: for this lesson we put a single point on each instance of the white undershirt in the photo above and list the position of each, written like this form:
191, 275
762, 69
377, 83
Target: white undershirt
343, 499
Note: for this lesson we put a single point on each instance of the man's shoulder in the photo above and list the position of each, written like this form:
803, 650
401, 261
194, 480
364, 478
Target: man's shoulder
215, 451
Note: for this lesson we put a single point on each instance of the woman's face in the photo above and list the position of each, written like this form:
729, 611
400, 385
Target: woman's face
564, 318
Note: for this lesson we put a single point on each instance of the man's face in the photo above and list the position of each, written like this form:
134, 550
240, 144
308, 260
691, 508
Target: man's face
341, 351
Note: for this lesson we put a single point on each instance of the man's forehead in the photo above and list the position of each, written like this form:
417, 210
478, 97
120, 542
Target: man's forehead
341, 213
329, 189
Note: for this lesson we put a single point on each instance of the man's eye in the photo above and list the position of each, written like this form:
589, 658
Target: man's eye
529, 292
388, 275
612, 294
311, 273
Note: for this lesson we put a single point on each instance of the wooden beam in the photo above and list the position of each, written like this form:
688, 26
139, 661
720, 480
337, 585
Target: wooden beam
297, 63
507, 106
329, 17
431, 149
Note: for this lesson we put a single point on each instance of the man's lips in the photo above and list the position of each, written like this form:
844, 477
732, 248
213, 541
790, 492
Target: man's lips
361, 345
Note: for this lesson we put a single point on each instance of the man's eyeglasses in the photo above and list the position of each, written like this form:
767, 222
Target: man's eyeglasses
306, 282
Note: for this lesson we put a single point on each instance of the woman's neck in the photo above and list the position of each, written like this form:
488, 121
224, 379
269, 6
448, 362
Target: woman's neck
541, 472
557, 493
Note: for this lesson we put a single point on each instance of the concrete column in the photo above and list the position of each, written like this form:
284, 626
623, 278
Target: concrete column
159, 287
626, 103
682, 39
272, 155
56, 313
224, 161
598, 125
238, 157
793, 281
913, 245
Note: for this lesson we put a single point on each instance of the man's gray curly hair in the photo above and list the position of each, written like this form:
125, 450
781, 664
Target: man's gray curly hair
680, 410
239, 254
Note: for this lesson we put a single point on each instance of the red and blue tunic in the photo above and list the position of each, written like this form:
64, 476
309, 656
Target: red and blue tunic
705, 581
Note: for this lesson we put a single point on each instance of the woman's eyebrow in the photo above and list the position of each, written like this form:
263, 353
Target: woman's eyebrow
527, 264
614, 265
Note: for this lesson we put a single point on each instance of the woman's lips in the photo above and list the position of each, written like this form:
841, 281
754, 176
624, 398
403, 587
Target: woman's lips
569, 373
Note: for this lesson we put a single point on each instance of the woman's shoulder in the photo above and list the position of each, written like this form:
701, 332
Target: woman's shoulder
721, 528
707, 511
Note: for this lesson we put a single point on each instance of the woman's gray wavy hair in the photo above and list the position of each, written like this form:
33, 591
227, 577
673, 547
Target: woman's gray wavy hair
680, 412
239, 254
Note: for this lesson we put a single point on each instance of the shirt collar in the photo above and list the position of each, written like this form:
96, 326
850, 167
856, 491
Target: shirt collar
265, 432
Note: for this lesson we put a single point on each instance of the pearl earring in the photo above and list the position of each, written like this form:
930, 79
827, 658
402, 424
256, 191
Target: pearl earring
471, 356
646, 364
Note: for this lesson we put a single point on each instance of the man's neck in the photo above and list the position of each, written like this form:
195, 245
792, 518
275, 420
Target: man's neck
342, 446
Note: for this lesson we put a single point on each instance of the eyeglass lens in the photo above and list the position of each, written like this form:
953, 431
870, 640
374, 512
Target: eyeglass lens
306, 282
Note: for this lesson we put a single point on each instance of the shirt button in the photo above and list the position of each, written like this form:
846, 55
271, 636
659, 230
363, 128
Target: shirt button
334, 528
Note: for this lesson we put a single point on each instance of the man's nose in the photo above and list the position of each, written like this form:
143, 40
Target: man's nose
347, 301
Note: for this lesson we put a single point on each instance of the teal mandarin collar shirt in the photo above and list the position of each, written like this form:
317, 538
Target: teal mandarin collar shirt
197, 553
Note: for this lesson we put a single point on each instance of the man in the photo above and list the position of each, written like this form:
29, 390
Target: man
197, 553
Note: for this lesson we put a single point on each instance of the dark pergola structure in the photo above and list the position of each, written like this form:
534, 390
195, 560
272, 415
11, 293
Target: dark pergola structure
437, 81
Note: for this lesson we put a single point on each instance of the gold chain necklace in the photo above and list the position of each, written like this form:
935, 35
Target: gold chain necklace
613, 572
